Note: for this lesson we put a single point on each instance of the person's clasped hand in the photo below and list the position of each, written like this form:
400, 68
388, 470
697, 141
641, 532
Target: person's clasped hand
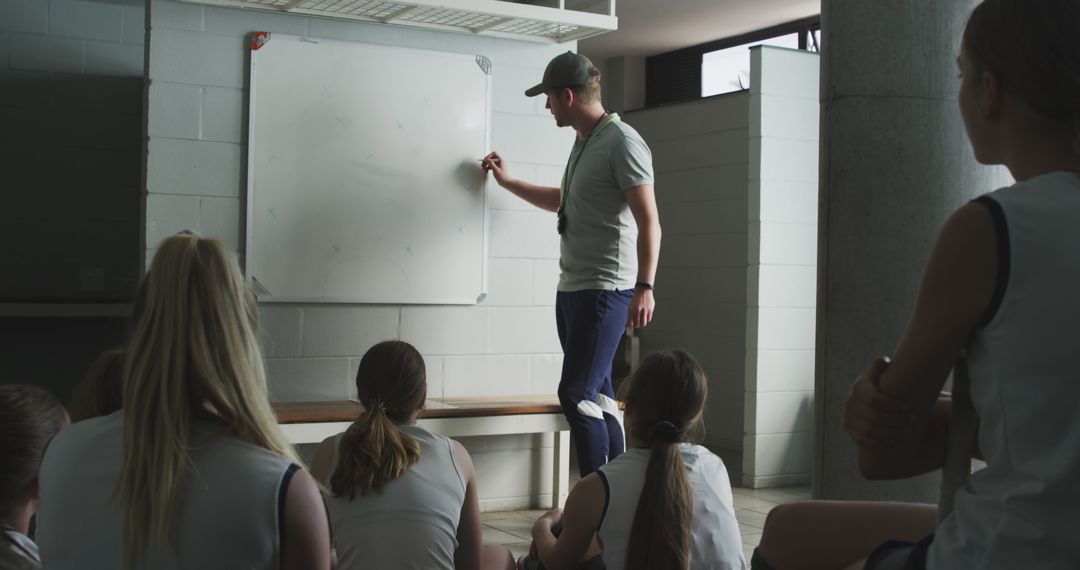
874, 419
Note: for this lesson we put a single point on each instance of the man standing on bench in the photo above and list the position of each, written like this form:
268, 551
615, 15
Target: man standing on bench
610, 245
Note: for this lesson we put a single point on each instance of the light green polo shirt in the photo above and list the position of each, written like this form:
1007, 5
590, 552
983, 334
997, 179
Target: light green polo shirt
599, 248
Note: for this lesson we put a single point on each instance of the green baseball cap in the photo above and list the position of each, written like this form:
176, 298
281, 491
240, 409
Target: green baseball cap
566, 70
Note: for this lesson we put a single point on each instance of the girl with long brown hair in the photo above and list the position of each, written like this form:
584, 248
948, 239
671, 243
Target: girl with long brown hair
1000, 288
193, 472
400, 496
665, 504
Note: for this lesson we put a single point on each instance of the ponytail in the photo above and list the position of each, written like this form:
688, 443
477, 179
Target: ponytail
664, 401
372, 452
391, 383
660, 535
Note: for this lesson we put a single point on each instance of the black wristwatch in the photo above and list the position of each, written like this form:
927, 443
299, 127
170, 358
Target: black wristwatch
643, 285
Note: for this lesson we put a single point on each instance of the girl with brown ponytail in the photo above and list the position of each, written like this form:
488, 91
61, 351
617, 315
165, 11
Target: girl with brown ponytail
400, 496
665, 504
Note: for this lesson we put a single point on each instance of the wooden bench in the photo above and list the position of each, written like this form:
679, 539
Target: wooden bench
312, 422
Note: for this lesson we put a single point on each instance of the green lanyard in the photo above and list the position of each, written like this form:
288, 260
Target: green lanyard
571, 165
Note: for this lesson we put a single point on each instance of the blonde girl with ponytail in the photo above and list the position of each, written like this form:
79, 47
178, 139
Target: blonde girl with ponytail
665, 504
193, 472
401, 497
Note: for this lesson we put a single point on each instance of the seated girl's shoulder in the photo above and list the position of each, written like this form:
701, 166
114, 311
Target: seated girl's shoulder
99, 429
698, 457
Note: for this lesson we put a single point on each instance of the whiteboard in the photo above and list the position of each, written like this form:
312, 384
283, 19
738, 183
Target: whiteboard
364, 184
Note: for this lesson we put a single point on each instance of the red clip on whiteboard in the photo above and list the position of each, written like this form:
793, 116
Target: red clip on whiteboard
259, 39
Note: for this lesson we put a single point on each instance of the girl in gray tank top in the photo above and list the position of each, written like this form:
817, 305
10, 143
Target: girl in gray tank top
401, 497
193, 472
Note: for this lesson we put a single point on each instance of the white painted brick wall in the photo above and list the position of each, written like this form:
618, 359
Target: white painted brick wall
503, 375
510, 282
789, 159
194, 168
281, 327
134, 26
217, 219
546, 369
46, 53
446, 330
523, 234
784, 412
694, 118
113, 59
436, 367
168, 214
785, 202
28, 16
782, 281
79, 37
706, 250
545, 282
196, 58
541, 174
222, 116
786, 329
339, 330
523, 330
86, 20
784, 455
785, 370
531, 138
175, 111
700, 154
705, 217
788, 244
509, 344
699, 151
308, 379
789, 117
722, 182
508, 93
177, 16
787, 285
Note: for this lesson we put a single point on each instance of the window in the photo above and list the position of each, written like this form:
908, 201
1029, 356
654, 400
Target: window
720, 66
726, 70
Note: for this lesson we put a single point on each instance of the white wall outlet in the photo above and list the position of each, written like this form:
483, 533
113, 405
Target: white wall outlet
92, 279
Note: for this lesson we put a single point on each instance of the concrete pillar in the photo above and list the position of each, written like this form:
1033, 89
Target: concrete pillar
894, 164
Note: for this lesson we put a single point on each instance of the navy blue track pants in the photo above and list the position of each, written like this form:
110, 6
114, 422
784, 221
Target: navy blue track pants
591, 323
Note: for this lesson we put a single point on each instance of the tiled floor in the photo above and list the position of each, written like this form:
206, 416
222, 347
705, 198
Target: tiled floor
514, 528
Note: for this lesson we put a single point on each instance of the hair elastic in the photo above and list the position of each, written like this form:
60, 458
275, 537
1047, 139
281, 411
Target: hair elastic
666, 431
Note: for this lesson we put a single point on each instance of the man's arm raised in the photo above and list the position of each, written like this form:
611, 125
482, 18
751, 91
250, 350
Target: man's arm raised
545, 197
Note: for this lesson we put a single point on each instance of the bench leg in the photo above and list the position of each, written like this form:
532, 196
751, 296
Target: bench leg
560, 479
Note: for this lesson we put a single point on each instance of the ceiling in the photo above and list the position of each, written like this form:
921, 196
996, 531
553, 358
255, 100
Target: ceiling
649, 27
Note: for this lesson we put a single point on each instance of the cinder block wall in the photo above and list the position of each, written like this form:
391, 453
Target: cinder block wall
70, 106
195, 180
701, 159
71, 37
782, 276
70, 113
